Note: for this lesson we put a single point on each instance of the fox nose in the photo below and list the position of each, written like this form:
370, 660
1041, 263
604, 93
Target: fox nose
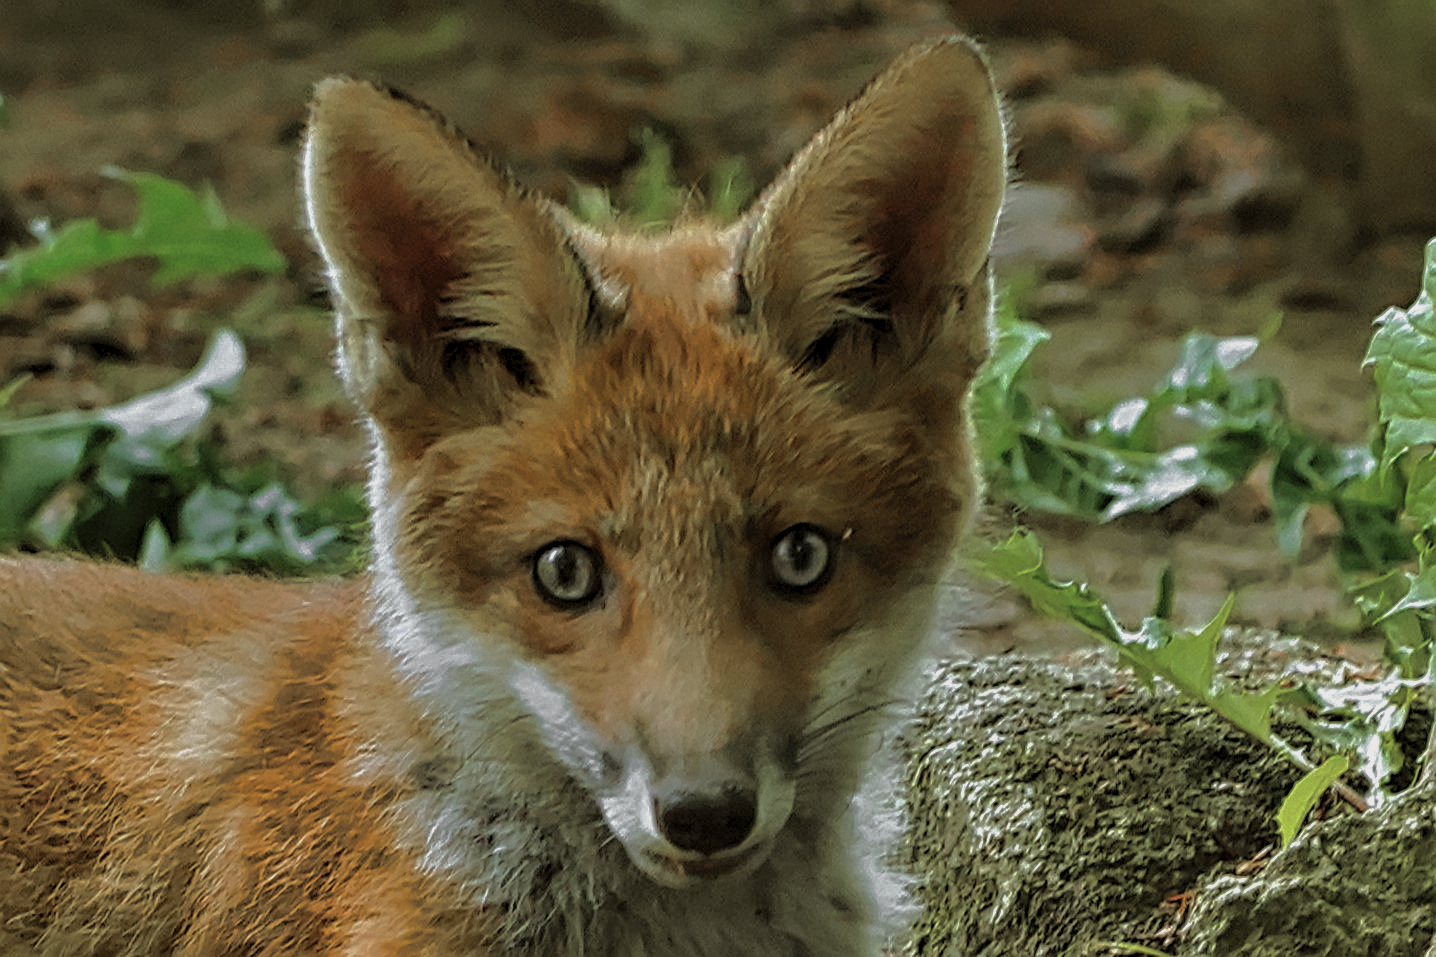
707, 823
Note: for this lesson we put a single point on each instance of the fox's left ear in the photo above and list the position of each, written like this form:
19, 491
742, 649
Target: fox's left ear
869, 254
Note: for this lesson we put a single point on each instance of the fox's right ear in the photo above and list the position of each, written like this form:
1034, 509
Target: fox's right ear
454, 291
867, 260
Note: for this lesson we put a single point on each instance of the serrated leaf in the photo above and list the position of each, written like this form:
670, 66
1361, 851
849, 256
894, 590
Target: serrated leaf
1116, 463
187, 234
1403, 358
1249, 711
1019, 563
1303, 796
1184, 659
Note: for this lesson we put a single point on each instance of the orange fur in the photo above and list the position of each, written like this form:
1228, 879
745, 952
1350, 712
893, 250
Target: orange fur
659, 524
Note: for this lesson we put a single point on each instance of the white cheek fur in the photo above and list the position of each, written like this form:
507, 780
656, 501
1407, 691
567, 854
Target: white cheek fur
533, 804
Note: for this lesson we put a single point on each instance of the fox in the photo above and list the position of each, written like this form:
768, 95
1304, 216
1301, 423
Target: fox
659, 526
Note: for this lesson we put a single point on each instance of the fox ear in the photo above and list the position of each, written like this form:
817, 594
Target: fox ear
454, 292
870, 253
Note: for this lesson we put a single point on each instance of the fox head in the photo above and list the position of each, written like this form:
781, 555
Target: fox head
674, 506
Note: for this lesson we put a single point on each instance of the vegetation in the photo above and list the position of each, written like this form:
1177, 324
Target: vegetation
1206, 427
145, 481
185, 233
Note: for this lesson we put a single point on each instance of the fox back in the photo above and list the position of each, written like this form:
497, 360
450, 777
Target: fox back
658, 521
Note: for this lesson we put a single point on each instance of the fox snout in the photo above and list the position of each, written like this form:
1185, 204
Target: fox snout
699, 818
705, 821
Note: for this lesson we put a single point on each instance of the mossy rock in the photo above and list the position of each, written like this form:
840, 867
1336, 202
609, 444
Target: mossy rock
1058, 808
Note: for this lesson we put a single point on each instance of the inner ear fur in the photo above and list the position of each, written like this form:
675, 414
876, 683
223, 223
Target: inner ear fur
454, 291
870, 252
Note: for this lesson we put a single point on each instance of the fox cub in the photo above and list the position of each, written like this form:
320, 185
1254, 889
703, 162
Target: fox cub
658, 525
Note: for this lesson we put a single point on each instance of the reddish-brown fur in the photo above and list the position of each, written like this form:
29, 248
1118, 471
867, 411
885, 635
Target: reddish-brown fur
104, 819
231, 767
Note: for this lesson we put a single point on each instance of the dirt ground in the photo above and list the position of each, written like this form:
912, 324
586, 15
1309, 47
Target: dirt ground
1144, 208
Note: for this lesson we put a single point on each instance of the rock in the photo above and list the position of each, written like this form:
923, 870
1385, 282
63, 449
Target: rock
1058, 805
1353, 886
1055, 805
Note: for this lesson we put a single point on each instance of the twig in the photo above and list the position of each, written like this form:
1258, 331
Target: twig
1297, 757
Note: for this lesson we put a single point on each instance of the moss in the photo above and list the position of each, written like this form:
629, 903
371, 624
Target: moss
1056, 806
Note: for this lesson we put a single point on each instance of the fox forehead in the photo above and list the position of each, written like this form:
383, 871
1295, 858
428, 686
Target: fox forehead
675, 437
689, 275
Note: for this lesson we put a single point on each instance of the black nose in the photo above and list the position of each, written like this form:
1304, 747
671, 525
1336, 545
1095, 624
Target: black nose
707, 823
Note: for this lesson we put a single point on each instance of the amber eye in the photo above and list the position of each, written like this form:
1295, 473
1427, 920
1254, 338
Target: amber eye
567, 574
801, 559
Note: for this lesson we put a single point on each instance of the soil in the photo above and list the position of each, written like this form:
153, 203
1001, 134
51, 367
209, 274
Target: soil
1143, 208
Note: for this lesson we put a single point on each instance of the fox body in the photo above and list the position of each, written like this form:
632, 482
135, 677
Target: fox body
658, 526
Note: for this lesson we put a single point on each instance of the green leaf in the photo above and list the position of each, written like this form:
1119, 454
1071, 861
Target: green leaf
1303, 797
730, 187
7, 392
1127, 459
1184, 659
654, 197
188, 234
223, 528
1019, 563
155, 548
1248, 711
591, 204
1403, 357
112, 446
1000, 407
1419, 503
37, 457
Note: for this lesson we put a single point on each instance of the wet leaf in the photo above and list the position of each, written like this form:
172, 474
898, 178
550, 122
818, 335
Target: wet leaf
1403, 358
1126, 460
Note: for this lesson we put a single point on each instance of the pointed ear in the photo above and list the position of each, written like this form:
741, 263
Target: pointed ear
869, 254
454, 292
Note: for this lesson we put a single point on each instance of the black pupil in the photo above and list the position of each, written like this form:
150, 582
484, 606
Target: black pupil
801, 553
565, 572
800, 557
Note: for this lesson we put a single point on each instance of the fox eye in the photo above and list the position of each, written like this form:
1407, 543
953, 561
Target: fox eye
801, 559
567, 574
